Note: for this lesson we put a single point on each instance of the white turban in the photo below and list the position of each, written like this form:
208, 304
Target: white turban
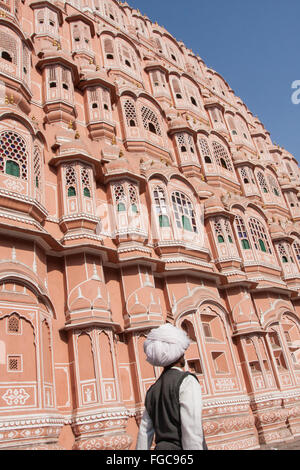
165, 345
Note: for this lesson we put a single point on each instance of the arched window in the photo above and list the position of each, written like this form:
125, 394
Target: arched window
13, 324
177, 89
109, 49
222, 230
259, 236
71, 181
150, 121
184, 212
71, 191
12, 168
8, 47
161, 206
221, 156
185, 141
130, 113
37, 167
285, 253
242, 232
296, 247
13, 154
205, 151
86, 182
262, 182
274, 185
126, 197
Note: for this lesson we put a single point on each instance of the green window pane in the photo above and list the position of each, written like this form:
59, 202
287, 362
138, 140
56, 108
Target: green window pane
71, 192
186, 223
262, 246
230, 239
245, 244
86, 192
36, 182
284, 259
134, 208
12, 168
164, 221
121, 207
221, 239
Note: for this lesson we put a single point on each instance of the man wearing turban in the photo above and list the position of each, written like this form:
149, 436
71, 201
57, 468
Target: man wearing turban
173, 405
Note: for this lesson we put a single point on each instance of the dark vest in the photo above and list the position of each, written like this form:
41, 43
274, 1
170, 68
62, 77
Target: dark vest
162, 405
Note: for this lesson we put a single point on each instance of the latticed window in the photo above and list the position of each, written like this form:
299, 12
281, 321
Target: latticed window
14, 363
81, 36
161, 206
71, 181
185, 143
127, 57
246, 175
284, 253
110, 12
109, 48
259, 236
223, 230
296, 247
221, 156
274, 185
205, 151
13, 155
150, 121
13, 324
228, 230
37, 167
219, 231
86, 182
46, 21
130, 113
8, 48
177, 89
242, 232
126, 197
262, 182
184, 212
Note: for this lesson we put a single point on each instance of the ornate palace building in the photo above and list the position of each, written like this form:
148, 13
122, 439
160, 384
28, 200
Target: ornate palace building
136, 189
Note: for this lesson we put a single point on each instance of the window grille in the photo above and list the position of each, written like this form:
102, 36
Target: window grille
274, 185
37, 167
161, 206
8, 47
259, 236
13, 155
13, 324
86, 182
14, 363
205, 151
242, 232
221, 156
71, 180
130, 113
150, 121
184, 212
262, 182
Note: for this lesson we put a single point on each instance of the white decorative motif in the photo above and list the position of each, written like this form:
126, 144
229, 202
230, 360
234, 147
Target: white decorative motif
14, 185
224, 384
15, 396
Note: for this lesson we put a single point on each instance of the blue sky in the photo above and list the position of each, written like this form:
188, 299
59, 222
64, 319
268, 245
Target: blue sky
254, 45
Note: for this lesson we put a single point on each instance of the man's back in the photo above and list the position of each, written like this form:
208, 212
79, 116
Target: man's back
163, 407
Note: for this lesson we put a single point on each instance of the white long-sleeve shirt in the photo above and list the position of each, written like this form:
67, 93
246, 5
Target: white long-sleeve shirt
190, 400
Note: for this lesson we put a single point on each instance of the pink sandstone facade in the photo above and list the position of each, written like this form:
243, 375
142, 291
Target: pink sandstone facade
135, 189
